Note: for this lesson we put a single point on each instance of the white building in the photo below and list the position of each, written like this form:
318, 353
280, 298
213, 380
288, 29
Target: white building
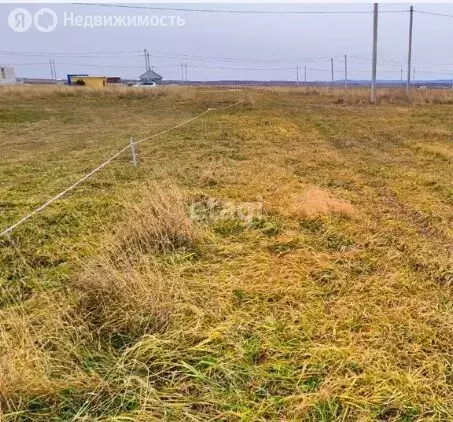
151, 76
7, 75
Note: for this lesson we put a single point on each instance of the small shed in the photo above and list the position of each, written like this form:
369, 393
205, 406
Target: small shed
151, 76
7, 75
69, 77
113, 80
88, 81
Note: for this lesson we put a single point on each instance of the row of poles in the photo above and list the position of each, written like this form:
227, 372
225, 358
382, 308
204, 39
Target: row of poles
373, 65
346, 79
373, 60
183, 67
184, 77
374, 56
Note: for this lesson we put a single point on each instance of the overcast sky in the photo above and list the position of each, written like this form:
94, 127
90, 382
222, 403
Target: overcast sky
234, 46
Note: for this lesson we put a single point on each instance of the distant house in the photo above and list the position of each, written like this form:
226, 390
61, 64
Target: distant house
7, 75
151, 76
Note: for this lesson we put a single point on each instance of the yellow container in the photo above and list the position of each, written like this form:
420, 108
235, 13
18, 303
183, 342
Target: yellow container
89, 81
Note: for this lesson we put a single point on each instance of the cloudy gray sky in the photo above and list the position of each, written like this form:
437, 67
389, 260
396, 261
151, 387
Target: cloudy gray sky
217, 46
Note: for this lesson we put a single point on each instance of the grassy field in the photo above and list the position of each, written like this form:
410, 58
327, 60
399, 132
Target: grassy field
150, 294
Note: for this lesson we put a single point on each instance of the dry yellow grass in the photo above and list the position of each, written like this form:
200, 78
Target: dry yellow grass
315, 202
333, 304
443, 150
158, 223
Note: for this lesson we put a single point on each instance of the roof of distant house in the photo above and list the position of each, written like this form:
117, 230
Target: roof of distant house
150, 75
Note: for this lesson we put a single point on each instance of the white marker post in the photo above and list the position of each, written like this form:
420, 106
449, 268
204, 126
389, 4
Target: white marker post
134, 155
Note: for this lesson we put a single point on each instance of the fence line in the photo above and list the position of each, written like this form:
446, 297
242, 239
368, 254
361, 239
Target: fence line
105, 163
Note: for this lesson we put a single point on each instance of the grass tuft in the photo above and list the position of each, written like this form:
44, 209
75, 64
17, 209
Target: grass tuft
159, 223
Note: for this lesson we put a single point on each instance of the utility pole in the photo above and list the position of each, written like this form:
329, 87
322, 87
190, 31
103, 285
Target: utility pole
409, 55
305, 74
374, 65
182, 74
146, 60
54, 71
297, 75
413, 75
345, 71
185, 70
401, 76
331, 69
51, 70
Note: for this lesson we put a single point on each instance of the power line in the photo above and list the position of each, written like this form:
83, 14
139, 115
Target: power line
234, 68
191, 58
265, 12
367, 60
176, 65
139, 53
46, 53
362, 61
63, 54
393, 63
239, 11
423, 12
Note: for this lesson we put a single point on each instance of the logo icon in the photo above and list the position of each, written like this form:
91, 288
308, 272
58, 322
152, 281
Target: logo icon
20, 20
45, 20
